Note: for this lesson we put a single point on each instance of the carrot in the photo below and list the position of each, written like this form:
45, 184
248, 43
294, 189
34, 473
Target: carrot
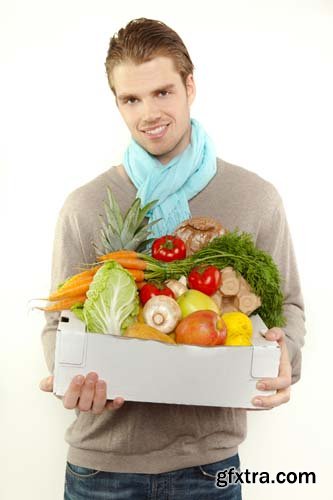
64, 304
119, 253
73, 282
89, 273
137, 274
73, 291
129, 263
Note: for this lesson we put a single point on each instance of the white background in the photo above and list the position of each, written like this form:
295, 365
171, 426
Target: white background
264, 93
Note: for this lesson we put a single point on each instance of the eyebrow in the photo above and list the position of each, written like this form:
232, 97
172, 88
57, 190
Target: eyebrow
125, 97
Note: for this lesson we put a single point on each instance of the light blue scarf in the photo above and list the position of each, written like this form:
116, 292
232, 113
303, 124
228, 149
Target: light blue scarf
172, 184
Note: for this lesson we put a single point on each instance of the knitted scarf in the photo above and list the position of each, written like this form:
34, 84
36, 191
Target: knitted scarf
172, 184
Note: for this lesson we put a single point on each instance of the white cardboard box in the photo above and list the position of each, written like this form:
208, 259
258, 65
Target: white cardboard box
150, 370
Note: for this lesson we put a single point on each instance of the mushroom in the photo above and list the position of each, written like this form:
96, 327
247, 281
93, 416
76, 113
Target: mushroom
177, 287
162, 313
183, 280
197, 232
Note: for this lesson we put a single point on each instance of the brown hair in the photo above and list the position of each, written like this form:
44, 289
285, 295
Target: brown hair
142, 40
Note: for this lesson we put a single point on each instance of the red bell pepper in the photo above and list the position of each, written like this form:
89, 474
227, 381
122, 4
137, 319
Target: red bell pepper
168, 248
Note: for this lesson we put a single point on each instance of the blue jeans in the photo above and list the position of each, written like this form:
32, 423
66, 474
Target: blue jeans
191, 483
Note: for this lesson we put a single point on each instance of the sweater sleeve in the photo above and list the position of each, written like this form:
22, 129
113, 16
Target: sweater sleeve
67, 256
274, 237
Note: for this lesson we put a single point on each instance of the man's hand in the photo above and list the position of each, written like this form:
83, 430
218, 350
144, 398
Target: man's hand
283, 381
85, 393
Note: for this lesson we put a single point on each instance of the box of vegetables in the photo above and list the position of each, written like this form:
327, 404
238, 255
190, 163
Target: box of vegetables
174, 319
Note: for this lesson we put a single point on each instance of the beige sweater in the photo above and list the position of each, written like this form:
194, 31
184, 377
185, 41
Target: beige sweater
153, 438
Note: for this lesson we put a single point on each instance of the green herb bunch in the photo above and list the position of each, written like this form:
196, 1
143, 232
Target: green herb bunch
256, 266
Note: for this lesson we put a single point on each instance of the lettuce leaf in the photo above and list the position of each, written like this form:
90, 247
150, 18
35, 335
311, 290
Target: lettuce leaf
77, 309
112, 302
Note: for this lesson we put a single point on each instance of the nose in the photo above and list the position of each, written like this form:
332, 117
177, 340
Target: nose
151, 112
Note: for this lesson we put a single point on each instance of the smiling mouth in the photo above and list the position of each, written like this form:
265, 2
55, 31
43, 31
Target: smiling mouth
157, 131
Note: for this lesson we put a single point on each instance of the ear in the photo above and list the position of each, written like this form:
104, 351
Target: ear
190, 88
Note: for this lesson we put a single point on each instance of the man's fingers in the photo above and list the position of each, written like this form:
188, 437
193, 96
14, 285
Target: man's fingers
274, 333
115, 404
72, 395
274, 384
278, 335
100, 398
88, 392
283, 380
280, 384
85, 393
269, 402
46, 384
285, 366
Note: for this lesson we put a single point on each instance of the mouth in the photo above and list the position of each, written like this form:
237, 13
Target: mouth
156, 132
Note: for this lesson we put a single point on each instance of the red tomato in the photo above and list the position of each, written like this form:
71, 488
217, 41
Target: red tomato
168, 248
149, 290
205, 279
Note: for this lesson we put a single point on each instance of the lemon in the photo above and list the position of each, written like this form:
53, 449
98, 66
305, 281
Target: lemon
239, 328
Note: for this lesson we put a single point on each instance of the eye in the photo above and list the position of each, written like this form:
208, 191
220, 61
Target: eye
131, 100
164, 93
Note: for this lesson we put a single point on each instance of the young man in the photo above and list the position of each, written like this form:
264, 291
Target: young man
144, 450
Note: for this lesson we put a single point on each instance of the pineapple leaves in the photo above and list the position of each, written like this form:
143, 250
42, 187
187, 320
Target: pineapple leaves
130, 220
144, 210
113, 212
129, 232
145, 246
141, 235
134, 217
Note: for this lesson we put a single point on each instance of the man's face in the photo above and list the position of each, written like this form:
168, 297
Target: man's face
155, 105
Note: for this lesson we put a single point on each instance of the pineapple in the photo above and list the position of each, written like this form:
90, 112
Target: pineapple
129, 232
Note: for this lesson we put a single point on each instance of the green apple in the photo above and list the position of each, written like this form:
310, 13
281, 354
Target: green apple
193, 300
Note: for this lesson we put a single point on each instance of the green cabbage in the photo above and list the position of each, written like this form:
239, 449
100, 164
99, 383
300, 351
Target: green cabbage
112, 302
